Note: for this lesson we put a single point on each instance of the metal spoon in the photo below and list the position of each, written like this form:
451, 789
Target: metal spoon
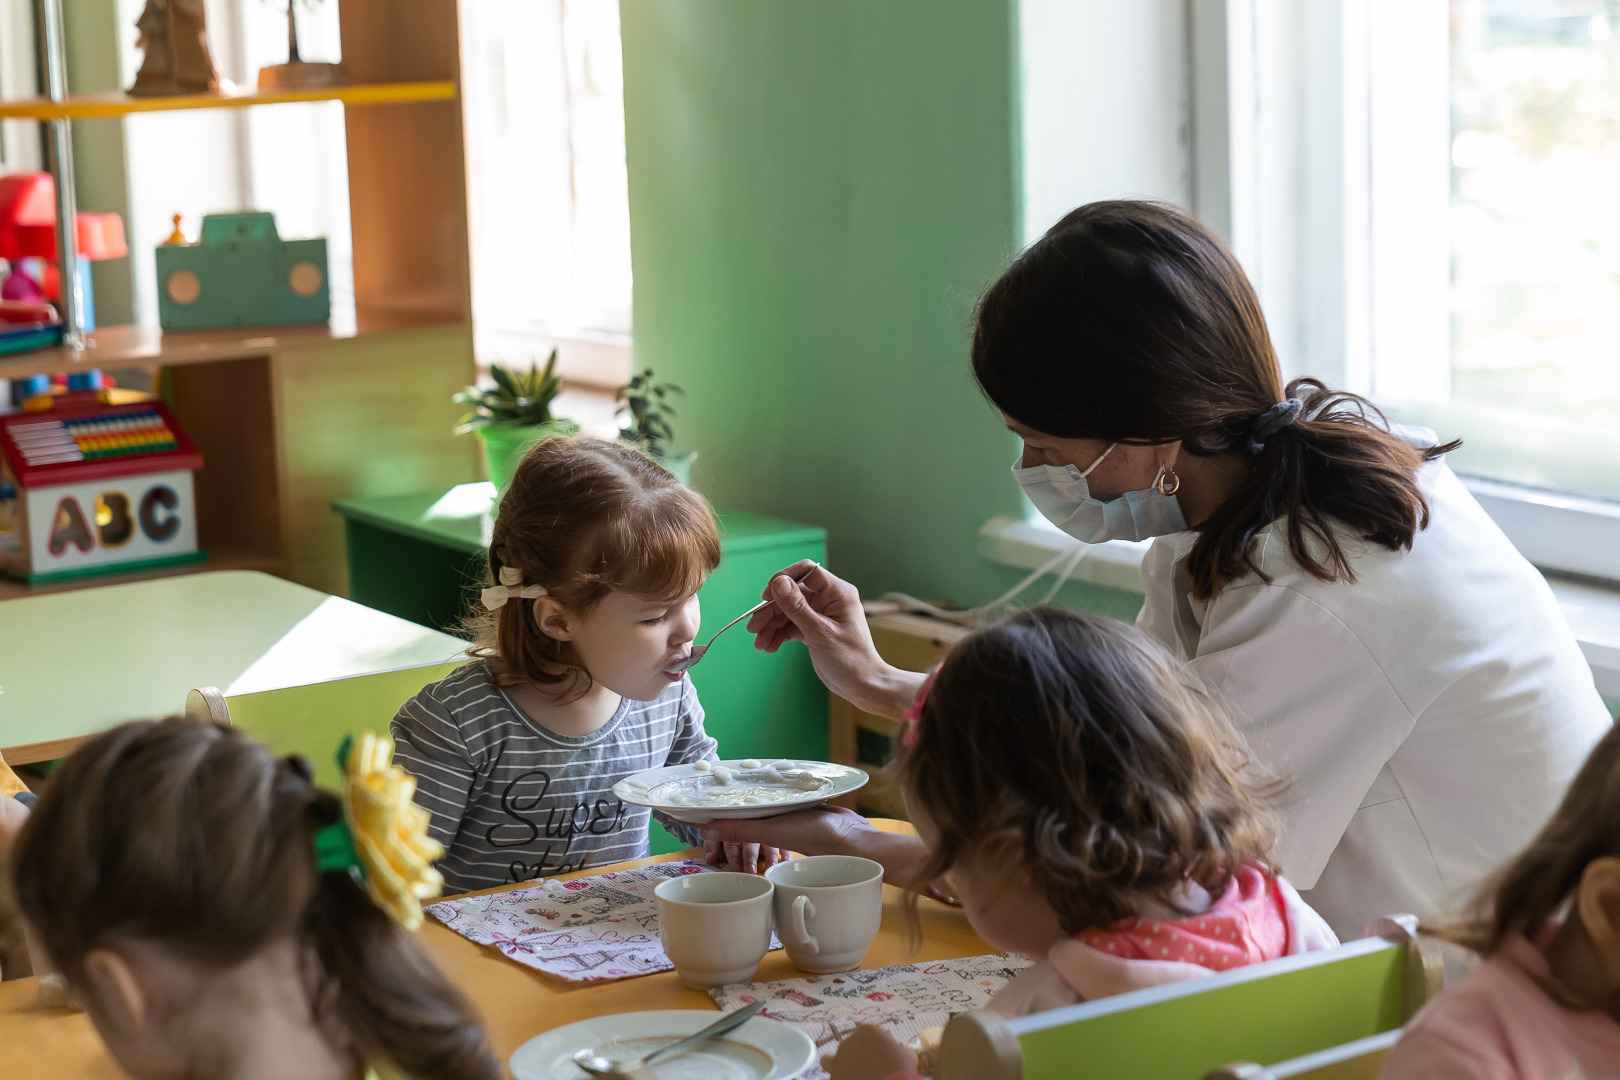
687, 662
597, 1065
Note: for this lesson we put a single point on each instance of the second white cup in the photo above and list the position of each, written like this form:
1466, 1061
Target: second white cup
716, 928
828, 908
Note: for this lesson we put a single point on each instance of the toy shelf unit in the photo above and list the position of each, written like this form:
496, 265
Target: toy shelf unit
87, 487
292, 409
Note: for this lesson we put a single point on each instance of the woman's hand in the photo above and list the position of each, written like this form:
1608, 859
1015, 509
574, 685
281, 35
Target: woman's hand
825, 830
825, 613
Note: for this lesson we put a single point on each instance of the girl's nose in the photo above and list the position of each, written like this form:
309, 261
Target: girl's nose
686, 625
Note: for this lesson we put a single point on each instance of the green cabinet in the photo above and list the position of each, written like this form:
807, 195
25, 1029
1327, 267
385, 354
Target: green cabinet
422, 557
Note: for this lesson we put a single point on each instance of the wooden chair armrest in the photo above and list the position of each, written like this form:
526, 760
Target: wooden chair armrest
978, 1045
1425, 965
207, 705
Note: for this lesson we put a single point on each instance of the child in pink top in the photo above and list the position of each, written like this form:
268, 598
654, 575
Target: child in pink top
1545, 1004
1092, 808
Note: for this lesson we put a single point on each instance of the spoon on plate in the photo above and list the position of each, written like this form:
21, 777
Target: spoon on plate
597, 1065
689, 661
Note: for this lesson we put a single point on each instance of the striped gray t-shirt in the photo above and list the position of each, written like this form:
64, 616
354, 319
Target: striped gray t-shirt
512, 801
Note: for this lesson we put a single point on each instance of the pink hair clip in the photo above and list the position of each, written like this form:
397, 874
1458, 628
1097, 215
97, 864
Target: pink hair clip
909, 718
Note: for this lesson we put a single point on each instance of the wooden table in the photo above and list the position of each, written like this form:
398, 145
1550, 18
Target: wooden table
518, 1003
75, 663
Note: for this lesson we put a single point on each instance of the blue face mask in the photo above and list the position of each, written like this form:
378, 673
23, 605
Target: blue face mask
1063, 497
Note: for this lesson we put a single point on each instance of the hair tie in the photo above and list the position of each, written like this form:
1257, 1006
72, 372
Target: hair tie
381, 837
913, 713
511, 586
1274, 419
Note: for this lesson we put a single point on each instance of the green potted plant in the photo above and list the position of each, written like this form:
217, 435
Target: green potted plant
513, 415
646, 411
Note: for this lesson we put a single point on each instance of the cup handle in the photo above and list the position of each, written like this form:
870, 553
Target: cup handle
800, 905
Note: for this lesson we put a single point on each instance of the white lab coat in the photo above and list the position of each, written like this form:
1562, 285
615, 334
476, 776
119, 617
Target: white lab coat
1429, 714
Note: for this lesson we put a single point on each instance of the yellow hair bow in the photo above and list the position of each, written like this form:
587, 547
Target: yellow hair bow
387, 831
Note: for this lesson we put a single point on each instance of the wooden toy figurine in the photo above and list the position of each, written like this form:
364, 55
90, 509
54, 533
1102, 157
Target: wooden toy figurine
174, 38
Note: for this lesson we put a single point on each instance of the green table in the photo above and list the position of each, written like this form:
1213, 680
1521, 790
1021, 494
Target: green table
422, 557
75, 663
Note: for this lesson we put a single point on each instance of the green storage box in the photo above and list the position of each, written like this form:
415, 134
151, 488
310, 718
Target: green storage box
241, 273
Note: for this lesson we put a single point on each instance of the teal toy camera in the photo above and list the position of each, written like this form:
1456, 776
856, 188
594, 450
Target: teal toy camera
241, 273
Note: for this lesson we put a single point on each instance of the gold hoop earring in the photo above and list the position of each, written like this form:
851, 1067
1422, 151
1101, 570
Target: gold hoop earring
1167, 481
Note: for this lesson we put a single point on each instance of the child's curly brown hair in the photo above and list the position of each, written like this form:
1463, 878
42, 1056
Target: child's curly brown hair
1077, 750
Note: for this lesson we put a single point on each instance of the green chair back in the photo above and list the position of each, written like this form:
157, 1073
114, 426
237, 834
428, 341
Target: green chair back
1359, 1060
312, 720
1271, 1012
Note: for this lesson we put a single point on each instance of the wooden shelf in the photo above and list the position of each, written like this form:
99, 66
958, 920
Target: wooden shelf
114, 347
104, 106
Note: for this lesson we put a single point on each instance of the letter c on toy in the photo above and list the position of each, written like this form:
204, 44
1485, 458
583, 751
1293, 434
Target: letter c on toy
160, 500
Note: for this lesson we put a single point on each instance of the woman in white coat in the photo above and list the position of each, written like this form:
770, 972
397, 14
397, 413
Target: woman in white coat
1381, 642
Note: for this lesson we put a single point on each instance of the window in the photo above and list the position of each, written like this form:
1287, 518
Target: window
1421, 192
548, 192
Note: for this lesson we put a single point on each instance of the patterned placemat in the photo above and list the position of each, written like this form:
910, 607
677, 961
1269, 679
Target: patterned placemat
903, 999
589, 929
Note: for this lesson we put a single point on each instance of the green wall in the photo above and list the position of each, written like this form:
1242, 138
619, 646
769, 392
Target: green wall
818, 193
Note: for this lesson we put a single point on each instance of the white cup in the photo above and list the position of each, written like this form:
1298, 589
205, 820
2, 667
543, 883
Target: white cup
716, 927
828, 908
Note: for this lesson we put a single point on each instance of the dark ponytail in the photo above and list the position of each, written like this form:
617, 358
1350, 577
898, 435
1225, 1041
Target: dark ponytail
393, 1001
197, 838
1131, 322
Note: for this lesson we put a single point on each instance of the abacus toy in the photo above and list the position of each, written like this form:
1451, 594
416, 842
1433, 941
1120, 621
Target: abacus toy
95, 487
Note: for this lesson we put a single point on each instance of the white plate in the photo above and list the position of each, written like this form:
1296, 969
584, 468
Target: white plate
759, 1050
641, 789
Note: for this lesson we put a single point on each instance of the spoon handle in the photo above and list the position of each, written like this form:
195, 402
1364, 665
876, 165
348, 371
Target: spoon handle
726, 1023
758, 607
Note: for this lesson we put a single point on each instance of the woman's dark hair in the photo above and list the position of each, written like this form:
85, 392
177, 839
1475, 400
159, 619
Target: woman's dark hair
198, 838
1131, 322
583, 518
1074, 748
1525, 895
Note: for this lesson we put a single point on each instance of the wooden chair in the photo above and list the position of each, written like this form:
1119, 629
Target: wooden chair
1358, 1060
1271, 1012
312, 720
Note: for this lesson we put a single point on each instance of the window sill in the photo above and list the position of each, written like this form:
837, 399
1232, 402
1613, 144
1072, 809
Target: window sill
1592, 609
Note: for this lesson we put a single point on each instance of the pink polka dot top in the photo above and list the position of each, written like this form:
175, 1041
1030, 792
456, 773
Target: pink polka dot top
1247, 924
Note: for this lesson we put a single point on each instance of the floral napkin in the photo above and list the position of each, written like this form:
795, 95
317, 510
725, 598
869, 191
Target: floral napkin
589, 929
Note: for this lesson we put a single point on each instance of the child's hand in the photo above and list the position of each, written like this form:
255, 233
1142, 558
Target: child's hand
869, 1053
746, 858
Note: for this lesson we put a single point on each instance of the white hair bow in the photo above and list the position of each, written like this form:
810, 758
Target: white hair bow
511, 585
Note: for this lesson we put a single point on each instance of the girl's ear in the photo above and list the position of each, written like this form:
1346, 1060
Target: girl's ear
119, 997
1597, 900
554, 620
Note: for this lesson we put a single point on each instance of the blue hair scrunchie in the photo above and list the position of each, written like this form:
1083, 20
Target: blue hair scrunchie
1274, 419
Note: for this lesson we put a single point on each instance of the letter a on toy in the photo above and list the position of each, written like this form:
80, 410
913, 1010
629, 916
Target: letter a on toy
70, 527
